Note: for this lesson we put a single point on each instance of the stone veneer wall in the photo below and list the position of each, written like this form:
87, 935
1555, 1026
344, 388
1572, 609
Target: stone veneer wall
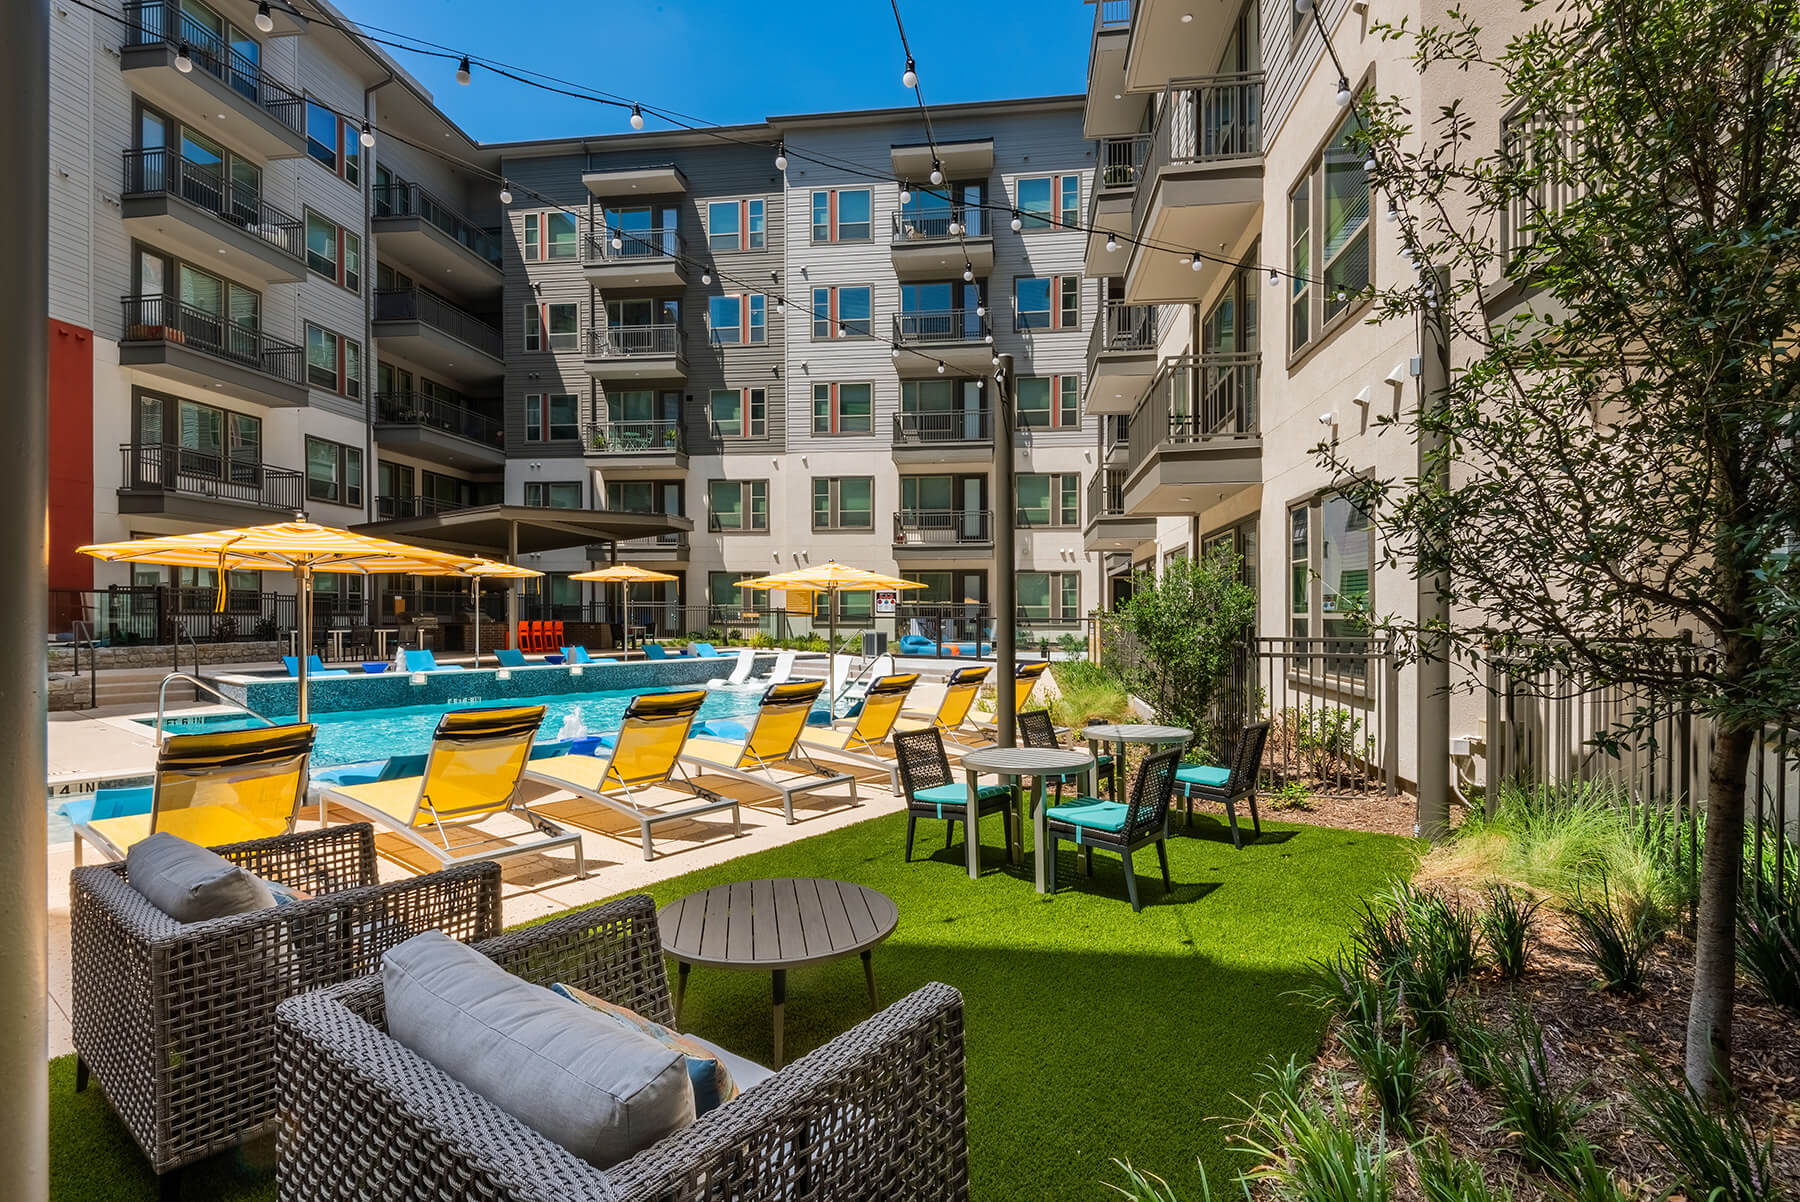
161, 655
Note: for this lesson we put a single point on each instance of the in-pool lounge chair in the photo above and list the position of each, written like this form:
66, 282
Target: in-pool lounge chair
424, 661
643, 756
314, 666
953, 708
863, 739
508, 657
740, 671
220, 787
769, 753
578, 654
471, 776
707, 651
1025, 678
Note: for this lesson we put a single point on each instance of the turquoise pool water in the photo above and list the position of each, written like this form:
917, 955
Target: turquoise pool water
357, 736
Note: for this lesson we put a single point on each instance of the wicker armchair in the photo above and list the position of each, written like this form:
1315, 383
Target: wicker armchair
932, 793
877, 1113
177, 1020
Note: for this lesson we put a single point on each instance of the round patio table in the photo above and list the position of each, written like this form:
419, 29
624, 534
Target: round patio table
772, 926
1120, 733
1022, 763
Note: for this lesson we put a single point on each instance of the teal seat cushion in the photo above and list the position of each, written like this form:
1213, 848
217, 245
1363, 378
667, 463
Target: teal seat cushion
955, 796
1203, 774
1091, 813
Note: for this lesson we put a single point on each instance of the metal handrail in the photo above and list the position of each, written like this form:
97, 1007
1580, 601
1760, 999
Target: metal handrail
941, 325
1203, 120
423, 305
161, 22
160, 170
78, 629
657, 242
167, 467
636, 438
607, 342
943, 527
418, 409
166, 319
404, 199
936, 223
950, 425
867, 672
1197, 399
1120, 158
200, 686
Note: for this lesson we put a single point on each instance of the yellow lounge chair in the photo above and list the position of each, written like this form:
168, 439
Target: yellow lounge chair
211, 789
644, 753
953, 708
471, 775
1025, 678
769, 754
864, 739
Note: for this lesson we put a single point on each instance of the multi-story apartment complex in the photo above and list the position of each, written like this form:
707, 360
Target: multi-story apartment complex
284, 281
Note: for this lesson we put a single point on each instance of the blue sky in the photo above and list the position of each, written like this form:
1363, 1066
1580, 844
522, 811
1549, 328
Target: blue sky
731, 61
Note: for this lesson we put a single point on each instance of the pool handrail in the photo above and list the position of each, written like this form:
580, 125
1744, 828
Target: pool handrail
162, 697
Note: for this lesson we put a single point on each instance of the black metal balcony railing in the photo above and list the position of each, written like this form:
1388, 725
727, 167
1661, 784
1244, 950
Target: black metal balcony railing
943, 527
1197, 399
418, 304
620, 342
161, 171
634, 246
1122, 327
414, 507
161, 22
941, 325
401, 199
417, 409
1202, 121
164, 467
1120, 158
165, 319
928, 429
1106, 494
937, 223
636, 438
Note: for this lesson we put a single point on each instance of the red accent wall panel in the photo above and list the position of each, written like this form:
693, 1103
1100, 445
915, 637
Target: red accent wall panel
71, 454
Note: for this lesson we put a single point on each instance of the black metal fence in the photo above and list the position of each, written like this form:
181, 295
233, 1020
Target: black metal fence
161, 170
167, 320
160, 615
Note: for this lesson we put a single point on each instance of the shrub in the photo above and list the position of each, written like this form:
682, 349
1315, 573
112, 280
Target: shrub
1421, 942
1768, 936
1541, 1118
1148, 1187
1446, 1177
1087, 693
1714, 1152
1292, 795
1388, 1056
1618, 934
1346, 989
762, 640
266, 630
1307, 1151
224, 628
1475, 1044
1506, 925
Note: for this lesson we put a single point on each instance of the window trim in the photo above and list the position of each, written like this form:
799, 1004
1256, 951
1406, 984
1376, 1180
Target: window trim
834, 225
753, 316
540, 426
835, 414
1060, 290
1057, 500
1057, 578
545, 491
1321, 329
746, 505
344, 491
1061, 382
347, 156
1059, 218
748, 432
834, 522
746, 241
835, 326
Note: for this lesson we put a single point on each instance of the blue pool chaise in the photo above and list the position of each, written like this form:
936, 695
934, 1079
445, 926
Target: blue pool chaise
706, 651
510, 657
424, 661
314, 666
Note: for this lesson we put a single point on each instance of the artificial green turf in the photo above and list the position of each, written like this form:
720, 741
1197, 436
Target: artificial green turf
1093, 1033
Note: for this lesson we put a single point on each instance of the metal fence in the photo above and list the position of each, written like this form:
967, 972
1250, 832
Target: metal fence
160, 170
162, 615
423, 305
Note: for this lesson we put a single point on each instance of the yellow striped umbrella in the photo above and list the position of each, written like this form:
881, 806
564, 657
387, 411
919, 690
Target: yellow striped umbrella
624, 575
830, 578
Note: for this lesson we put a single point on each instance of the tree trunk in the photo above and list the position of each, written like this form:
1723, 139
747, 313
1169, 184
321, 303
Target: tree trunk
1715, 935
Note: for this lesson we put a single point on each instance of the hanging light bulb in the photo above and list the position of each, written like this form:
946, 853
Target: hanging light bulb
1303, 7
706, 276
1369, 164
1112, 244
1341, 295
937, 172
781, 156
940, 369
1274, 277
618, 240
895, 352
1194, 262
954, 229
780, 305
843, 330
637, 117
968, 273
264, 21
462, 71
1393, 213
909, 78
184, 62
989, 338
1343, 92
995, 361
368, 135
505, 192
905, 193
981, 310
1017, 223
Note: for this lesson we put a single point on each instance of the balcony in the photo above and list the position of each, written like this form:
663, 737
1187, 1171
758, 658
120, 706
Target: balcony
943, 534
439, 431
387, 508
1119, 161
1194, 439
205, 486
164, 338
948, 436
935, 242
961, 339
1112, 108
1166, 39
1200, 185
635, 182
422, 326
625, 353
1121, 357
627, 450
648, 258
1109, 527
419, 232
222, 95
185, 207
658, 548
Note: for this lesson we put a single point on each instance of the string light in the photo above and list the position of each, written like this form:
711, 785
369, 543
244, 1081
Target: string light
463, 75
505, 192
637, 117
895, 352
1303, 7
905, 193
1112, 244
1343, 92
618, 240
706, 276
981, 310
368, 135
1194, 262
1018, 223
781, 156
968, 273
937, 172
909, 78
1393, 213
1369, 164
1274, 277
184, 62
264, 21
940, 369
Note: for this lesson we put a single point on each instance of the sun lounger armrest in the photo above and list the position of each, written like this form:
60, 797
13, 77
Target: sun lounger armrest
329, 860
882, 1102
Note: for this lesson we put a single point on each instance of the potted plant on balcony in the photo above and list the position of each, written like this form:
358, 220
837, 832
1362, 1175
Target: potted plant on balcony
671, 437
597, 440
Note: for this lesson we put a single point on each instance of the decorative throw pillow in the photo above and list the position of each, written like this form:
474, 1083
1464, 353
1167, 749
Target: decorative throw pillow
285, 895
713, 1083
191, 883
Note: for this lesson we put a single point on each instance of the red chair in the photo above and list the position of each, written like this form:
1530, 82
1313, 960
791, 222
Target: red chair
528, 638
556, 636
540, 641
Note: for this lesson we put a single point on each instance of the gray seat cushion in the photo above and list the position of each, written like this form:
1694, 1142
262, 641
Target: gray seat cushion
189, 883
601, 1090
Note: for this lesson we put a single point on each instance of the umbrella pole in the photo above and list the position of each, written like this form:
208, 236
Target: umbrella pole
475, 586
831, 653
303, 594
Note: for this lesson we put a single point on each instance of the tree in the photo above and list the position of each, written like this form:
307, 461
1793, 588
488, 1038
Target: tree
1613, 461
1185, 632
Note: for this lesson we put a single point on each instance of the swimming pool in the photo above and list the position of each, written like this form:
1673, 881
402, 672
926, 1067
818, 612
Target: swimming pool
359, 736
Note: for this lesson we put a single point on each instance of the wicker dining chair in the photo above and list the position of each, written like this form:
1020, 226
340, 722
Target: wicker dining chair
1036, 729
1228, 786
1122, 827
177, 1020
932, 793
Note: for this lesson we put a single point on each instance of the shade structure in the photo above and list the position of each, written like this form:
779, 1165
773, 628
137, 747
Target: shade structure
490, 569
830, 578
624, 575
300, 547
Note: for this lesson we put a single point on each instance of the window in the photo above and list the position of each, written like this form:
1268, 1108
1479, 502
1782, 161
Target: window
1045, 201
1346, 556
352, 276
1049, 596
1048, 500
553, 494
332, 141
735, 225
1300, 570
841, 312
321, 358
352, 368
534, 328
1240, 540
842, 215
559, 236
1047, 302
562, 321
737, 320
738, 412
552, 417
722, 589
738, 504
843, 409
1329, 236
333, 472
333, 252
1049, 402
843, 503
534, 238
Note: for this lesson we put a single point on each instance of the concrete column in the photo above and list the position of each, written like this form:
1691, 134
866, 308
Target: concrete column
1433, 716
1006, 640
512, 594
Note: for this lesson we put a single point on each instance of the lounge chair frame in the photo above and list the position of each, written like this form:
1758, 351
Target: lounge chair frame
764, 771
869, 753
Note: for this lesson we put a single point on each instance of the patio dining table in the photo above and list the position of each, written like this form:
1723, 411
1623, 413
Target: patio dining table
1118, 734
1018, 764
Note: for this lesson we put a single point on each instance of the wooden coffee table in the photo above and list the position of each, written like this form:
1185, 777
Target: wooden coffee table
772, 926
